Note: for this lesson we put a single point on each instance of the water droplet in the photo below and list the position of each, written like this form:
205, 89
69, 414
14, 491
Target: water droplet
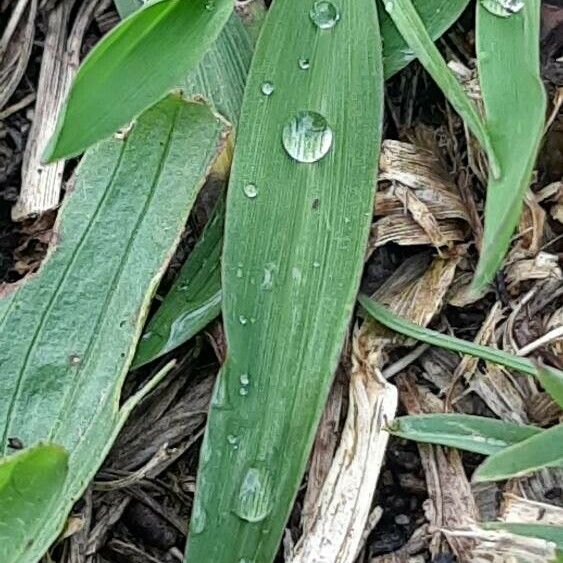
210, 5
147, 336
324, 14
75, 360
255, 495
268, 279
242, 320
199, 517
304, 63
243, 391
389, 5
244, 379
250, 191
307, 137
233, 441
503, 8
267, 88
316, 264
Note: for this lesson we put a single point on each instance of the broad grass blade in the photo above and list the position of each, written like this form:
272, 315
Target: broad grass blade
553, 534
31, 482
385, 317
437, 15
477, 434
292, 260
543, 450
134, 66
68, 334
515, 105
412, 28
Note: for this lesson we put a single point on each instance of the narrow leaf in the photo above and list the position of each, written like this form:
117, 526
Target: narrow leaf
31, 482
412, 28
135, 65
543, 450
437, 15
515, 105
553, 534
68, 334
552, 382
193, 301
385, 317
295, 240
477, 434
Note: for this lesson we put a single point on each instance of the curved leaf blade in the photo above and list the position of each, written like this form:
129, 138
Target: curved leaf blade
304, 242
135, 65
543, 450
477, 434
31, 482
515, 106
67, 335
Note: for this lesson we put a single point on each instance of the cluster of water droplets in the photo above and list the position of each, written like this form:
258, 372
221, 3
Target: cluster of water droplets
244, 380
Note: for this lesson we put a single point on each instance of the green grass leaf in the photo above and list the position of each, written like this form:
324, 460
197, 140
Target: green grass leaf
193, 301
543, 450
412, 28
291, 266
552, 382
515, 105
437, 15
31, 482
135, 65
553, 534
68, 334
477, 434
385, 317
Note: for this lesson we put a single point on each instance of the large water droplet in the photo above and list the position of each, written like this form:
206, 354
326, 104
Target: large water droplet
250, 191
304, 63
255, 495
324, 14
199, 517
503, 8
307, 137
267, 88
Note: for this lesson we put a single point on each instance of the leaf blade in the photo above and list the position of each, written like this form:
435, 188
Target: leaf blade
112, 87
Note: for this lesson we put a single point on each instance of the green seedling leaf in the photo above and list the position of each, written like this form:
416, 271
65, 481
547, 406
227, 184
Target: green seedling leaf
402, 326
298, 216
414, 32
553, 534
193, 301
543, 450
135, 65
437, 16
31, 482
515, 105
477, 434
68, 334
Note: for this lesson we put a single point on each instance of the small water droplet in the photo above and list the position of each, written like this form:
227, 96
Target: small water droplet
255, 495
316, 264
242, 320
244, 379
268, 279
199, 517
304, 63
147, 336
307, 137
210, 5
75, 360
503, 8
243, 391
389, 5
233, 441
250, 191
267, 88
324, 14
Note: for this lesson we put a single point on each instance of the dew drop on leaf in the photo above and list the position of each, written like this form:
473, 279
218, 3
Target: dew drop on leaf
389, 5
503, 8
324, 14
255, 495
250, 191
267, 88
307, 137
304, 63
